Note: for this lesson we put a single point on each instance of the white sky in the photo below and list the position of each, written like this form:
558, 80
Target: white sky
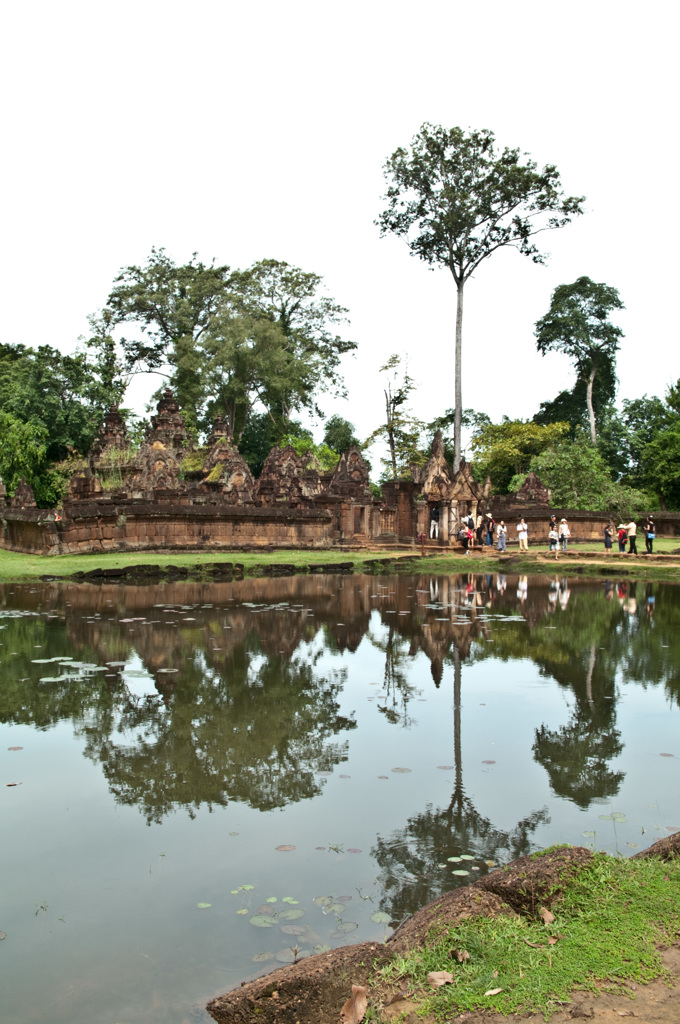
245, 131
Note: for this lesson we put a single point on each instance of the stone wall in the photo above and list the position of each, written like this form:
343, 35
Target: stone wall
94, 527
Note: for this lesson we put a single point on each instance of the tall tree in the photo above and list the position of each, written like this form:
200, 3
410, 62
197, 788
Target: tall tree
456, 200
578, 325
504, 450
400, 430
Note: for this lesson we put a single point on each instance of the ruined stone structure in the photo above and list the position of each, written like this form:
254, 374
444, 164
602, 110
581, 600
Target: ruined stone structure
173, 494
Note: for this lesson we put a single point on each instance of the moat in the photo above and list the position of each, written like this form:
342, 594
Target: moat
197, 778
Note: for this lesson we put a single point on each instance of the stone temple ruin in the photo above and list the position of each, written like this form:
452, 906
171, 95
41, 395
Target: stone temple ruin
172, 494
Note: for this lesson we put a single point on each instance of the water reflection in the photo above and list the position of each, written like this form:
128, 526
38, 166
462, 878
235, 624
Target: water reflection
250, 698
236, 708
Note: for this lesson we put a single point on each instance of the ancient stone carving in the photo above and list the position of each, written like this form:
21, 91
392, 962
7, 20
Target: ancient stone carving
23, 497
287, 477
351, 476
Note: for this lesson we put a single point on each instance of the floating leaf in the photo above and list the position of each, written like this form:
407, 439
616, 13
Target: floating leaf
383, 776
261, 921
488, 762
243, 911
322, 949
234, 892
289, 899
345, 927
285, 847
353, 849
380, 917
291, 915
460, 871
403, 771
247, 888
260, 958
322, 901
336, 908
490, 863
264, 908
446, 767
354, 1010
606, 817
438, 978
466, 856
15, 748
590, 833
672, 828
289, 954
666, 755
633, 846
202, 906
454, 860
293, 929
621, 818
271, 899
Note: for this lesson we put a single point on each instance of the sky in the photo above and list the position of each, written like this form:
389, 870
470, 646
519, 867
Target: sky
250, 131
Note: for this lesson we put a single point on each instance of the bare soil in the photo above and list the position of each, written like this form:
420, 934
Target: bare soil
314, 990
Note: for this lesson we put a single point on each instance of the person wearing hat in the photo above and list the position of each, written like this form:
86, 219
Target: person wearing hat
564, 533
523, 535
650, 534
623, 537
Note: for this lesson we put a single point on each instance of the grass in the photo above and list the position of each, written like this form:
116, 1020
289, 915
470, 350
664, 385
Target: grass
608, 925
16, 566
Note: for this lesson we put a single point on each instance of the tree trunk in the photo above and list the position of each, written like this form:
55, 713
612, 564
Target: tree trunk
458, 393
589, 400
389, 423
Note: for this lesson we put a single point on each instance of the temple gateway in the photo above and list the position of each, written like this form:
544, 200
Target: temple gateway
172, 494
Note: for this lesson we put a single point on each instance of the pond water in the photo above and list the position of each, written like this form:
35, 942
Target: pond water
198, 778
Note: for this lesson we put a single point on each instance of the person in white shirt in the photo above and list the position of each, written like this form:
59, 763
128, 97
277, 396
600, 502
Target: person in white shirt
631, 530
523, 535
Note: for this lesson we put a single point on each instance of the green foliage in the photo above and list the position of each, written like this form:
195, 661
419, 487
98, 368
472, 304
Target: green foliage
64, 395
193, 461
571, 406
339, 434
456, 200
23, 448
401, 430
504, 450
233, 341
579, 478
321, 456
608, 923
577, 324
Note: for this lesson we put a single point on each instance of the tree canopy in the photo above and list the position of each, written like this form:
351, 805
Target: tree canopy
456, 200
578, 325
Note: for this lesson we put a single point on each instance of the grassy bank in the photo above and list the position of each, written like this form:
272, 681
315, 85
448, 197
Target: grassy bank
583, 560
605, 929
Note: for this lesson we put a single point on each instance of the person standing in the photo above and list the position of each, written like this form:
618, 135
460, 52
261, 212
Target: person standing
622, 536
490, 527
502, 536
434, 523
480, 530
650, 534
608, 539
553, 538
564, 534
631, 530
523, 535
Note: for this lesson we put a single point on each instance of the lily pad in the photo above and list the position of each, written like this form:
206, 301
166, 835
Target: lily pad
261, 921
289, 899
446, 767
403, 771
621, 818
243, 910
271, 899
466, 856
345, 927
265, 909
590, 833
322, 901
460, 871
293, 929
285, 847
203, 906
291, 915
288, 955
380, 917
247, 888
322, 949
454, 860
261, 958
606, 817
336, 908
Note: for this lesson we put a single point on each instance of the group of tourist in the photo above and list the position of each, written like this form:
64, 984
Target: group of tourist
628, 532
484, 531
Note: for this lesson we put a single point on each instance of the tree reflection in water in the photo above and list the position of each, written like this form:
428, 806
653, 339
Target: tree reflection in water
242, 710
